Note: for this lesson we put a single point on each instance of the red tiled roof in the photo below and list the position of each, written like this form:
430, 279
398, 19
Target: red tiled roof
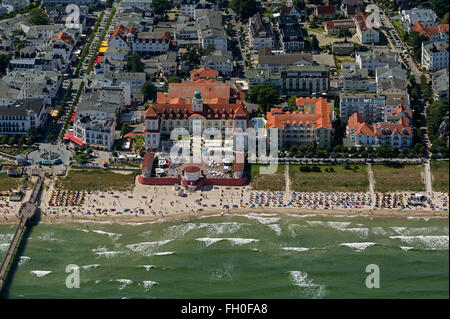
203, 73
191, 169
321, 117
359, 125
64, 37
326, 10
430, 30
147, 163
122, 32
400, 108
361, 22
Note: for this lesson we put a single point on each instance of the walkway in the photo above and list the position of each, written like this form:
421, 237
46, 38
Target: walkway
371, 182
287, 188
428, 177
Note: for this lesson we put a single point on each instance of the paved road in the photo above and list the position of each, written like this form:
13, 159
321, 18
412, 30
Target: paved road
428, 177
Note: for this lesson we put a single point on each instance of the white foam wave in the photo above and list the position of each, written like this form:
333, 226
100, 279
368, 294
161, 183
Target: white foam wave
125, 283
358, 246
378, 231
23, 260
148, 284
235, 241
276, 228
4, 247
406, 248
6, 237
108, 254
409, 231
296, 248
418, 218
306, 215
262, 220
426, 242
87, 267
301, 280
163, 253
83, 221
335, 225
40, 273
113, 236
147, 248
148, 267
362, 232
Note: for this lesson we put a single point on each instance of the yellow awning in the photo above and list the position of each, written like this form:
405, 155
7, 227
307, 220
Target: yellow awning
102, 50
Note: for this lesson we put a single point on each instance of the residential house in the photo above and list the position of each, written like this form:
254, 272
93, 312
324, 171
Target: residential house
393, 134
434, 55
343, 48
440, 84
376, 58
326, 11
353, 78
207, 104
221, 61
260, 32
352, 8
426, 17
367, 34
435, 33
291, 11
333, 26
310, 124
141, 4
22, 116
187, 7
211, 31
274, 62
370, 106
291, 34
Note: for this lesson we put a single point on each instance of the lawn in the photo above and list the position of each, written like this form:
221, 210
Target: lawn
353, 179
96, 179
9, 183
398, 178
272, 182
338, 60
439, 176
15, 150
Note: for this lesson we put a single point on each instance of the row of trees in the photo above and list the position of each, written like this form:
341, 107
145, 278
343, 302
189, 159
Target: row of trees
383, 151
437, 114
94, 56
244, 9
88, 44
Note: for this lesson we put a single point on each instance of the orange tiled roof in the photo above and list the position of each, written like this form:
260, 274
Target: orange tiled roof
399, 109
122, 32
361, 21
320, 118
359, 125
64, 37
429, 31
203, 73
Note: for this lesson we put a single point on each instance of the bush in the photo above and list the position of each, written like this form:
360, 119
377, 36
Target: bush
305, 169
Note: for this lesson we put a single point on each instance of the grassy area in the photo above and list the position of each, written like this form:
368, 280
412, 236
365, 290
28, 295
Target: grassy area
96, 179
139, 142
15, 150
398, 178
9, 183
353, 179
439, 176
399, 28
338, 60
271, 182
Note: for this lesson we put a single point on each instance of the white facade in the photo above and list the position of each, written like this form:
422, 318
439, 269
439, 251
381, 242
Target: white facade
141, 4
19, 118
370, 106
434, 56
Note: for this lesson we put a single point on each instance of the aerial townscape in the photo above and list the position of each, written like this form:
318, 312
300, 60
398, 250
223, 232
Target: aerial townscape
297, 119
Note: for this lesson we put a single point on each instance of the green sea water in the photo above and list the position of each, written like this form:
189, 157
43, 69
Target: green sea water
239, 256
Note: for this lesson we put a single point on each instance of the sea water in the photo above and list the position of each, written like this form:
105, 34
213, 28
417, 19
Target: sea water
238, 256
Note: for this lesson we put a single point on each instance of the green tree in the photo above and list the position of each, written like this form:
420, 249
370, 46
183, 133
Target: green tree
244, 8
173, 79
440, 7
415, 39
314, 43
4, 61
161, 6
135, 64
149, 91
444, 19
38, 16
265, 95
344, 33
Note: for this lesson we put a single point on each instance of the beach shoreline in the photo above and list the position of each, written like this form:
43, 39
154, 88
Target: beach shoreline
190, 216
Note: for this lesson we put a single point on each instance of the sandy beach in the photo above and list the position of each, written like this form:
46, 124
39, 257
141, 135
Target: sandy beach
146, 204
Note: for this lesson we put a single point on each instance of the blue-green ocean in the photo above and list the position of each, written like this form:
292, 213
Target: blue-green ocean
238, 256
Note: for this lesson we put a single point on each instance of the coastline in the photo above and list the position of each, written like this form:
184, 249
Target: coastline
189, 216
